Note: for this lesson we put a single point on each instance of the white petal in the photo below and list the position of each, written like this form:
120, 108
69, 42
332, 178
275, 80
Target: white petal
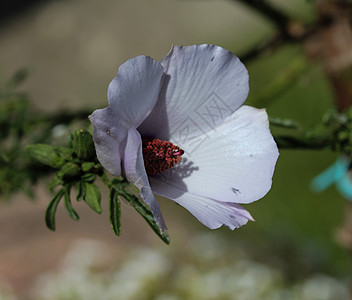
233, 163
134, 170
204, 84
133, 93
211, 213
108, 135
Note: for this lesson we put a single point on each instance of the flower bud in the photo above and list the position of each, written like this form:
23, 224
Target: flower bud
83, 144
69, 170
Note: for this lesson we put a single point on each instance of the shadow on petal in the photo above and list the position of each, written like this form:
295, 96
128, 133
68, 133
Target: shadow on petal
174, 177
156, 125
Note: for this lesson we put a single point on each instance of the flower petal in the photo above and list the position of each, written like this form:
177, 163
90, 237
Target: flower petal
133, 93
134, 170
233, 163
108, 135
204, 84
210, 212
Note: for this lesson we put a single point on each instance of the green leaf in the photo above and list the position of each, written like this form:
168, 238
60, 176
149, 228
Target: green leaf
45, 154
69, 170
81, 191
83, 145
88, 177
68, 205
64, 153
51, 209
93, 197
119, 183
285, 123
143, 210
115, 212
55, 182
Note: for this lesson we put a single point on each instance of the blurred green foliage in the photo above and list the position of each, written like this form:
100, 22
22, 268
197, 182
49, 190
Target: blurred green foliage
17, 172
21, 125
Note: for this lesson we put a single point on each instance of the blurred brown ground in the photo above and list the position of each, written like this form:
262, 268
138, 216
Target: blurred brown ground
28, 248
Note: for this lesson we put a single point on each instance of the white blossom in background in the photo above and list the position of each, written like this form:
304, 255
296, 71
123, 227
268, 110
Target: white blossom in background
158, 274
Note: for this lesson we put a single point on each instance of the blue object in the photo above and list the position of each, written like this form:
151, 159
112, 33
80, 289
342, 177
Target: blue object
338, 174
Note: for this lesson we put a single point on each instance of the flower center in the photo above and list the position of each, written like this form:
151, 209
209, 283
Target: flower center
160, 156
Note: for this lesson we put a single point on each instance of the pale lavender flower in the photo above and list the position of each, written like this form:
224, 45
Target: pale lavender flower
192, 100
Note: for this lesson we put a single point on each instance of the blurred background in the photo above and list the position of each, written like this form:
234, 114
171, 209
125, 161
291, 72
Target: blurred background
298, 248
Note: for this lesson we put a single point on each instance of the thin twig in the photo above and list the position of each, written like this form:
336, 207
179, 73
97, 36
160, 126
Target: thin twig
271, 44
271, 13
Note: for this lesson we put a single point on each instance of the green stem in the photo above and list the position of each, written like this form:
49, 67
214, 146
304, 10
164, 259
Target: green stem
291, 142
104, 178
284, 123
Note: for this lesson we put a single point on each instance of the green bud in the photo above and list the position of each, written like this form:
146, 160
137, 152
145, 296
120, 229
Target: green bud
87, 166
64, 153
83, 145
46, 154
69, 171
